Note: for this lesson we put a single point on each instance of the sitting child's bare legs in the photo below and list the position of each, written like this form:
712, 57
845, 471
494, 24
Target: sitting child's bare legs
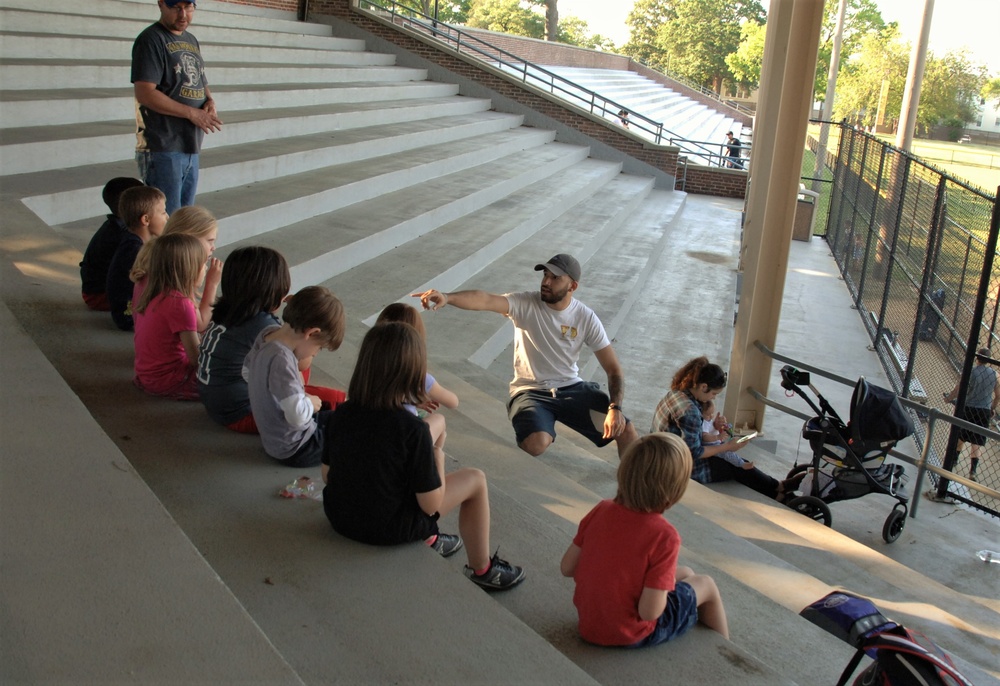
711, 613
466, 489
437, 426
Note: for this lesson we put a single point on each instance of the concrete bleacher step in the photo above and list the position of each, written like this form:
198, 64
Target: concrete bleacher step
31, 149
227, 168
320, 247
210, 13
27, 74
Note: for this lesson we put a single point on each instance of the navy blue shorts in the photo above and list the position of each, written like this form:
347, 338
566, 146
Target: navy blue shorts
581, 406
679, 616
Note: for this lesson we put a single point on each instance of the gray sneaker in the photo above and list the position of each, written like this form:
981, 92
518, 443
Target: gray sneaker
447, 544
501, 575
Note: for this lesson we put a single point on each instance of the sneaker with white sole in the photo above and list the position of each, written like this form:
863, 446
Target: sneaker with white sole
501, 575
447, 545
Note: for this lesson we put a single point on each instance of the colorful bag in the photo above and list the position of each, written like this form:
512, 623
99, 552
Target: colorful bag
901, 657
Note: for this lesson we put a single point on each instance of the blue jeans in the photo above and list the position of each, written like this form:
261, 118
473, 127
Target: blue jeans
174, 173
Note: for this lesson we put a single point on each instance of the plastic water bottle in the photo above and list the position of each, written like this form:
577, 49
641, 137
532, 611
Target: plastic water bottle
989, 556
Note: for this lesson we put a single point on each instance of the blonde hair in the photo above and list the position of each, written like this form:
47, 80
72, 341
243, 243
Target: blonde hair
653, 473
193, 220
137, 202
407, 314
175, 264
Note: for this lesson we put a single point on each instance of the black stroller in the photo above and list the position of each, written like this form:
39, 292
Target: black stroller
849, 461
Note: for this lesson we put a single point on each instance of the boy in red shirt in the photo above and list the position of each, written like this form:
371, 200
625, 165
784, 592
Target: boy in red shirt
629, 589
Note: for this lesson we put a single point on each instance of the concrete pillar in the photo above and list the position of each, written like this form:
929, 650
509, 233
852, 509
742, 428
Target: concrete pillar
787, 76
914, 79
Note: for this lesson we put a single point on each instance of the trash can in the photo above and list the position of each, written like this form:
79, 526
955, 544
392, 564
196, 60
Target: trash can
805, 207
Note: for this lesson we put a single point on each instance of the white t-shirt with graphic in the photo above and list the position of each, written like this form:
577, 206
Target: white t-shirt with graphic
547, 342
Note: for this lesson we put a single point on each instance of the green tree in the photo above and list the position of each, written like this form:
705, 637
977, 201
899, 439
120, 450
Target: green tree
702, 33
644, 22
506, 16
880, 57
861, 18
950, 90
990, 91
745, 62
576, 31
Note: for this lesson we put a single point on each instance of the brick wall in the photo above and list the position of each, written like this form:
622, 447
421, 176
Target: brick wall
547, 52
285, 5
726, 183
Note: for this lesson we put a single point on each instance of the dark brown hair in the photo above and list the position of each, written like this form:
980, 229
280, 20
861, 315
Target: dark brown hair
407, 314
391, 368
316, 307
653, 473
698, 371
256, 279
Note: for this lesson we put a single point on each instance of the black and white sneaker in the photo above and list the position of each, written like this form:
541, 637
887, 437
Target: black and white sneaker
501, 575
448, 544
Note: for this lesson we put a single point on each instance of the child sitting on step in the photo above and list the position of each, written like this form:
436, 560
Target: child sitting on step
254, 285
102, 246
196, 221
385, 480
166, 336
291, 420
143, 209
437, 395
629, 589
714, 431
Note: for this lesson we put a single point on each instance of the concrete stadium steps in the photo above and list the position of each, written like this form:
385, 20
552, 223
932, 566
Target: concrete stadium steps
683, 117
29, 74
325, 245
341, 169
75, 106
210, 14
32, 149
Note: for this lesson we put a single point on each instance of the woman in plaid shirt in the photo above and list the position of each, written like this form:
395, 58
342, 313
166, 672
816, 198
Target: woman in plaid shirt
679, 412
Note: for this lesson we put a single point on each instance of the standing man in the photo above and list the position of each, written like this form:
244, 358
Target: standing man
981, 402
174, 108
550, 328
734, 147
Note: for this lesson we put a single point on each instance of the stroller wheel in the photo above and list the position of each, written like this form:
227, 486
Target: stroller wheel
812, 507
893, 526
796, 470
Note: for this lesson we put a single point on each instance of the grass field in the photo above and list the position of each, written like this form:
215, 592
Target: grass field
979, 165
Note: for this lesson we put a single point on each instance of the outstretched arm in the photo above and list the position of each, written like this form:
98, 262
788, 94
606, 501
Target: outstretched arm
614, 422
464, 300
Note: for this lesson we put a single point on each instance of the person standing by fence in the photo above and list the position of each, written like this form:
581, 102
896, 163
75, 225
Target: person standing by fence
981, 400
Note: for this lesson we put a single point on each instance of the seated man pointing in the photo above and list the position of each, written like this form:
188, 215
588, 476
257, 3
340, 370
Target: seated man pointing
550, 328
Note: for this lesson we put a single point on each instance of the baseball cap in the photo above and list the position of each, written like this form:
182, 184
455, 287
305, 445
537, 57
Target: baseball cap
174, 3
562, 265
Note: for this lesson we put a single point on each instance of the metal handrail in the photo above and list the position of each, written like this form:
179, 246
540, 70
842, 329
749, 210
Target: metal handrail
674, 76
540, 77
934, 415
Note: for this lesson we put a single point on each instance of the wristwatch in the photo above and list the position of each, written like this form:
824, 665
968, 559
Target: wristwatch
614, 406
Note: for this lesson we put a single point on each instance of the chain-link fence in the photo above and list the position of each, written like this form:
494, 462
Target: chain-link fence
916, 248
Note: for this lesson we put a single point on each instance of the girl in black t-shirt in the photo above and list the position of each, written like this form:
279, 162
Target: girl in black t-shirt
385, 478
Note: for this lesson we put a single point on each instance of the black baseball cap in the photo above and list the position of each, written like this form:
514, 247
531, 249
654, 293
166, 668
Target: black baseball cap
562, 265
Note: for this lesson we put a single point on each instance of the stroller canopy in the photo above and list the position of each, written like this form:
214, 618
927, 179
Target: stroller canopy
877, 415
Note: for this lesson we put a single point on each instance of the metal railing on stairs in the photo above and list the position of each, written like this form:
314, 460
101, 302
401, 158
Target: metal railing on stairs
537, 76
